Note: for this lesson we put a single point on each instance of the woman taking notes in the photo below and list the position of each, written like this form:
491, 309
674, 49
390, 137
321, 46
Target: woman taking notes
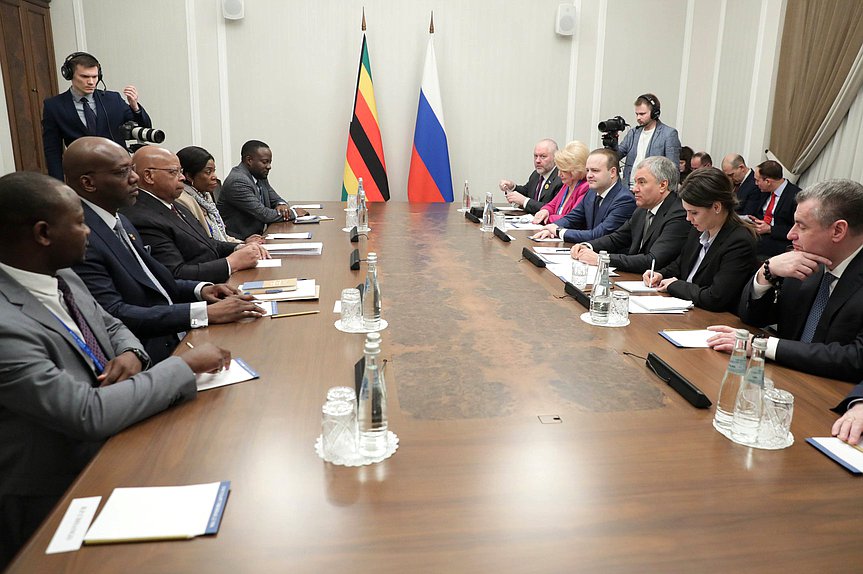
718, 257
570, 168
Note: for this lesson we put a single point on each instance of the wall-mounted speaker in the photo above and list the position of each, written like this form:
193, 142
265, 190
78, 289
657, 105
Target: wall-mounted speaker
566, 22
233, 9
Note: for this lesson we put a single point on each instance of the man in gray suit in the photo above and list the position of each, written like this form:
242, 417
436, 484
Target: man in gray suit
71, 375
247, 201
650, 137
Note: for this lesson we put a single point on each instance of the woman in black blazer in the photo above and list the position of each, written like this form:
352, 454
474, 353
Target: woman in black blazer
714, 280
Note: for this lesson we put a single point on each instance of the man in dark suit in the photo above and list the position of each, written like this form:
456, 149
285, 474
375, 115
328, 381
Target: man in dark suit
749, 199
175, 237
849, 426
606, 206
650, 137
542, 185
815, 292
73, 375
120, 273
657, 229
775, 215
66, 117
247, 202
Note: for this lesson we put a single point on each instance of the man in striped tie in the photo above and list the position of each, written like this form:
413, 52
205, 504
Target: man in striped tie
542, 185
815, 292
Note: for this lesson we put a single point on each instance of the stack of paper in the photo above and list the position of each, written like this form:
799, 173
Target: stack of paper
688, 339
307, 289
653, 304
306, 235
270, 286
848, 456
313, 248
160, 513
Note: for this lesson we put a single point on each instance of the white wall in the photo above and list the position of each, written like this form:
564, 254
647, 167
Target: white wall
286, 74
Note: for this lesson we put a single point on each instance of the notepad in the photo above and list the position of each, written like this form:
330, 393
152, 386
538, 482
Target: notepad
269, 286
688, 339
160, 513
306, 289
659, 304
237, 372
307, 219
312, 248
306, 235
848, 456
634, 286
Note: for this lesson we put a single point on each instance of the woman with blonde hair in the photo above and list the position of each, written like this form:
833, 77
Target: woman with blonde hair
570, 163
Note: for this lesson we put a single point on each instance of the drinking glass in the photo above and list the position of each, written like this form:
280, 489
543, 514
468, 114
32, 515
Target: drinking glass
352, 310
579, 273
776, 420
500, 220
338, 430
619, 307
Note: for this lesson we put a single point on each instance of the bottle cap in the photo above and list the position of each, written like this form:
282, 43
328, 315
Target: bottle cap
759, 343
374, 337
372, 347
372, 256
741, 334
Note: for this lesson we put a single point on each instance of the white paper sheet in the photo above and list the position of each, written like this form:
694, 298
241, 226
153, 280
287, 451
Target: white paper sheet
237, 372
653, 303
635, 286
306, 235
308, 206
70, 533
269, 263
689, 339
306, 289
312, 248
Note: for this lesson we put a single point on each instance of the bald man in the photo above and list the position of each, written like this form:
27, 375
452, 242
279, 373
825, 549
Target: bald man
73, 375
174, 235
120, 273
542, 185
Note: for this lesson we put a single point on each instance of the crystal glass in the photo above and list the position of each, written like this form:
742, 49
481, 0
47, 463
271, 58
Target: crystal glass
579, 273
500, 220
351, 218
619, 313
776, 421
352, 311
338, 430
346, 394
352, 201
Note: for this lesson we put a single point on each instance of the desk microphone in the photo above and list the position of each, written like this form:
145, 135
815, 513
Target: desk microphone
471, 217
577, 294
532, 257
355, 260
355, 235
500, 234
678, 382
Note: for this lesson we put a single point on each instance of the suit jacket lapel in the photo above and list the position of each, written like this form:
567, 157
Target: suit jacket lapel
31, 307
848, 285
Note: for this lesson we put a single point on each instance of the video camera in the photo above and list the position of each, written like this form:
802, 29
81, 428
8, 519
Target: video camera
610, 130
132, 131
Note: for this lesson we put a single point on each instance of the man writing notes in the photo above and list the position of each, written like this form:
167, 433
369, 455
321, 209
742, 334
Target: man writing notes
172, 232
606, 206
121, 274
542, 185
657, 230
650, 137
83, 110
72, 375
815, 292
247, 202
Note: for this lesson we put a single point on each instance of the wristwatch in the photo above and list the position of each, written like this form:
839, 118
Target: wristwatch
142, 356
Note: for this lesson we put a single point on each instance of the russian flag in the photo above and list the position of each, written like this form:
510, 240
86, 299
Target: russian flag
430, 178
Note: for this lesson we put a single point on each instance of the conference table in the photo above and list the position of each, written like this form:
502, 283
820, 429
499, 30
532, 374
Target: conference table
530, 441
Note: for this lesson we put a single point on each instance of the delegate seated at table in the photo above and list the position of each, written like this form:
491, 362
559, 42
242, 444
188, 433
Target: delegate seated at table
719, 255
570, 162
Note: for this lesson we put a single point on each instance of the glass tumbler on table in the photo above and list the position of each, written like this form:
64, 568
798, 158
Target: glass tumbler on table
352, 311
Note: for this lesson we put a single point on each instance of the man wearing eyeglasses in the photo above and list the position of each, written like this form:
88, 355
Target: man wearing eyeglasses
117, 269
174, 235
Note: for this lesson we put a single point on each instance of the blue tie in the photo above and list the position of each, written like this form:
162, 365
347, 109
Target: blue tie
818, 307
89, 117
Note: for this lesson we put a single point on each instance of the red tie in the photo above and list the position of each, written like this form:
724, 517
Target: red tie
768, 213
538, 188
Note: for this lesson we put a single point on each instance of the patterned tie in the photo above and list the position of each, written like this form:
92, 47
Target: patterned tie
538, 189
120, 232
89, 116
265, 198
86, 332
818, 307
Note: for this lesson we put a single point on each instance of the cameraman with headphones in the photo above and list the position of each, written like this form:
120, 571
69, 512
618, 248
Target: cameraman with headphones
649, 138
82, 110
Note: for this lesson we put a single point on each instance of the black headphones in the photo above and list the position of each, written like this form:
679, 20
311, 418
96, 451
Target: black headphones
67, 70
654, 104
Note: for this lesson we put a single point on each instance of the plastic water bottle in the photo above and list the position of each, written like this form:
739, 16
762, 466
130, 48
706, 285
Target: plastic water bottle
748, 407
372, 405
362, 209
465, 198
488, 213
731, 382
600, 295
372, 295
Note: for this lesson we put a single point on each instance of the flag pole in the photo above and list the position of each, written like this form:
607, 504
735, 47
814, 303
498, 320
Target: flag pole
431, 23
364, 18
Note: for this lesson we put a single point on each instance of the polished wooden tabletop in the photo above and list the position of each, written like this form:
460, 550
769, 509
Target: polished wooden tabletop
480, 345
